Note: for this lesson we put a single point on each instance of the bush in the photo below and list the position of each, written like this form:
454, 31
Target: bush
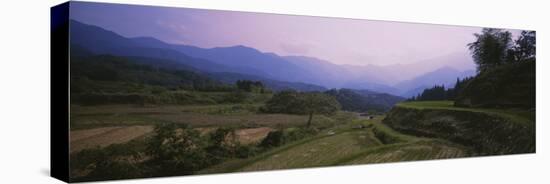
176, 149
245, 151
280, 137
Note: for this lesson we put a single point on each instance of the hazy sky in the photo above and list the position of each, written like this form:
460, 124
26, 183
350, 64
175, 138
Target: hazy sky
340, 41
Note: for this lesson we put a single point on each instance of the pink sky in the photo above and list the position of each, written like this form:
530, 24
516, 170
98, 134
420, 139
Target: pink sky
338, 40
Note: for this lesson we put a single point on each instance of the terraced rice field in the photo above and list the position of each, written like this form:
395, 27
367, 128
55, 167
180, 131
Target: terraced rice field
423, 150
323, 151
348, 146
363, 141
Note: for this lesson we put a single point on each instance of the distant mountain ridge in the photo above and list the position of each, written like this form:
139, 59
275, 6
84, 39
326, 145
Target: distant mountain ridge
248, 61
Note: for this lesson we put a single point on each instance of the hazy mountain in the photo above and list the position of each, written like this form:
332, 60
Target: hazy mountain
326, 73
270, 65
400, 79
364, 100
100, 41
443, 76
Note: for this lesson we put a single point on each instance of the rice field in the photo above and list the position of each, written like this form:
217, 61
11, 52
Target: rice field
348, 145
361, 141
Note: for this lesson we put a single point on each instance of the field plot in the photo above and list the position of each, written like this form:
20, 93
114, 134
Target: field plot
197, 116
321, 152
100, 126
101, 137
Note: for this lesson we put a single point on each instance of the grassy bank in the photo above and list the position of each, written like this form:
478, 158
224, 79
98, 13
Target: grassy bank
488, 131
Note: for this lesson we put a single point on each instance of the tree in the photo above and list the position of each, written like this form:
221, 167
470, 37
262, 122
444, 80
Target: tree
491, 48
310, 103
284, 102
319, 103
525, 48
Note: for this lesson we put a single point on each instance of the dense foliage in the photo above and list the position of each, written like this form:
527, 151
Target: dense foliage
354, 100
506, 71
105, 79
106, 68
251, 86
494, 47
511, 85
439, 92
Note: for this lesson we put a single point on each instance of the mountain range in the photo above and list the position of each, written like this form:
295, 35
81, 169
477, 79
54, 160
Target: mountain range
229, 64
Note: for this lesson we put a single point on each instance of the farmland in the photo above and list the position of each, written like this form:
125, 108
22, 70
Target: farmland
344, 138
140, 107
376, 143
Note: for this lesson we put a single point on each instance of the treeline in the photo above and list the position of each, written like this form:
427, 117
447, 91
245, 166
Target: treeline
106, 79
105, 69
439, 92
495, 47
505, 73
252, 86
354, 100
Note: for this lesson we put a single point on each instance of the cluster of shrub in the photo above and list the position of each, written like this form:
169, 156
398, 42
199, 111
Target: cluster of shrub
174, 149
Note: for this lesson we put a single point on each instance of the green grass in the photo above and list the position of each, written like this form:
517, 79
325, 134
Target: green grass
427, 149
238, 164
512, 114
320, 152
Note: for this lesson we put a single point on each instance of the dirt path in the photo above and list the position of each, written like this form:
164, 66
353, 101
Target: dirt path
101, 137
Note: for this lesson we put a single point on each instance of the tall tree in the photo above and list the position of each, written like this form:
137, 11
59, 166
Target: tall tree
525, 48
310, 103
491, 48
319, 103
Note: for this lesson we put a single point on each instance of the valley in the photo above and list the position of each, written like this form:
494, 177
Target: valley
141, 107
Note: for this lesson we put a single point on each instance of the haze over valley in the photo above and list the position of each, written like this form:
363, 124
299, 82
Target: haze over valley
243, 62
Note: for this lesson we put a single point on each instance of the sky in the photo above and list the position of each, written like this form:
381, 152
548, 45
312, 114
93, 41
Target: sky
337, 40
